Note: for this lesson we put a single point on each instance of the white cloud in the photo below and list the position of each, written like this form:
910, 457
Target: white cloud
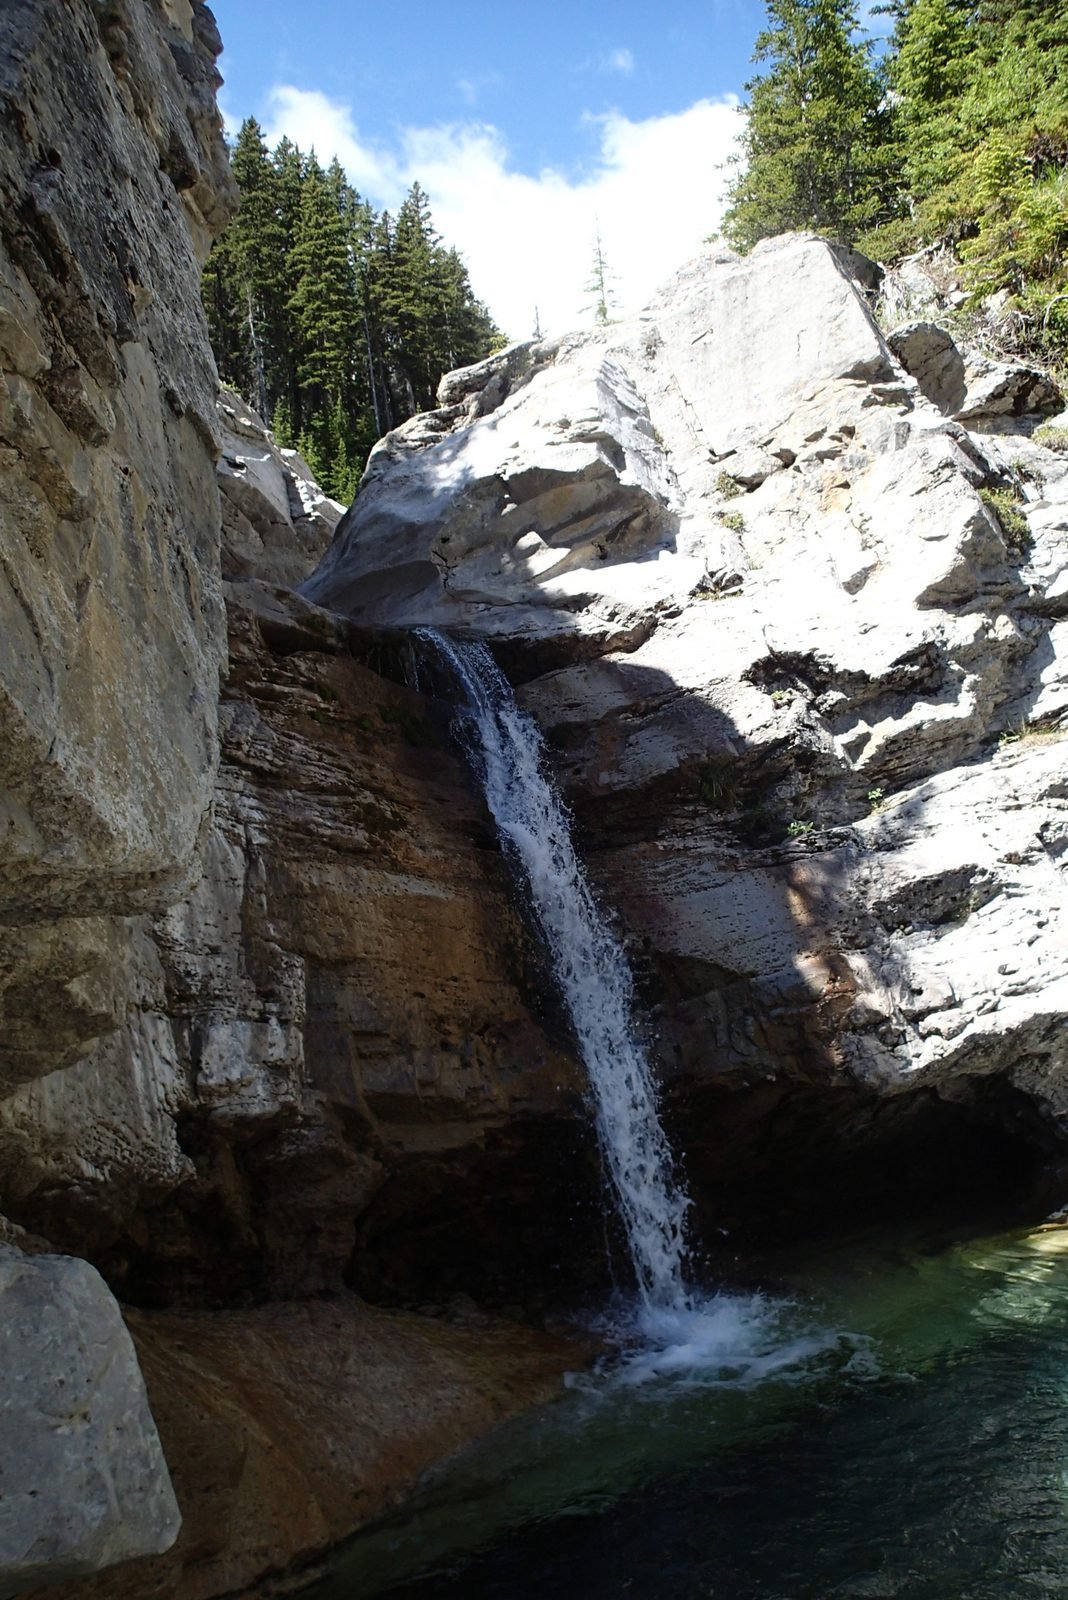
618, 61
471, 90
655, 192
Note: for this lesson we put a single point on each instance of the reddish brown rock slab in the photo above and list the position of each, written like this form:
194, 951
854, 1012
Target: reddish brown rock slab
288, 1427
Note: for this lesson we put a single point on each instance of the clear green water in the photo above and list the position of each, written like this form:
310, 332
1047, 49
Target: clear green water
897, 1427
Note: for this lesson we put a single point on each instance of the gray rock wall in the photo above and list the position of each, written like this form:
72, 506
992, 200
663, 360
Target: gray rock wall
819, 756
113, 180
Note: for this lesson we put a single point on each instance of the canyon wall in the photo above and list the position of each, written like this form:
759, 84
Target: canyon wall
787, 597
113, 179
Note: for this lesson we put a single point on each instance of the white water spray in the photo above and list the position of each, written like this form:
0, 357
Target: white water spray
589, 966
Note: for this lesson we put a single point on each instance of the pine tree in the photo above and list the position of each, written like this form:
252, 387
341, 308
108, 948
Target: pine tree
815, 145
600, 284
258, 250
335, 322
325, 315
933, 67
982, 113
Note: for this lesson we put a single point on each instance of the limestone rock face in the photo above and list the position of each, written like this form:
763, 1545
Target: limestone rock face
574, 494
83, 1482
277, 522
340, 997
817, 760
111, 616
113, 180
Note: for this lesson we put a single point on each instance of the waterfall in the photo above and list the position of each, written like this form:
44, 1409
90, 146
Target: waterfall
588, 964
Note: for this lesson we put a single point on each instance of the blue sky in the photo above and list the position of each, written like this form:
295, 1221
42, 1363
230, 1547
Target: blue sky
532, 127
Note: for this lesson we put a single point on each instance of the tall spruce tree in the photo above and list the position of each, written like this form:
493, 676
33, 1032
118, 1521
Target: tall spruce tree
815, 144
325, 316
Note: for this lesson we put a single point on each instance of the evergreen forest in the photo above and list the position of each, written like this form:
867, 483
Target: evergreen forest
952, 132
335, 322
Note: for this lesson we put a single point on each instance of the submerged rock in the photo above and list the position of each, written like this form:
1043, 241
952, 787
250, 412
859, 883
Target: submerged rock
291, 1424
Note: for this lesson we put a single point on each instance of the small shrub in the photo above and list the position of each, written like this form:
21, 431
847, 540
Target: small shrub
732, 520
801, 830
728, 487
876, 798
1052, 438
717, 785
780, 697
1009, 512
890, 242
1030, 733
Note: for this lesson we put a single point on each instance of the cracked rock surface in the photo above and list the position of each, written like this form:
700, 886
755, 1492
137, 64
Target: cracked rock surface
796, 634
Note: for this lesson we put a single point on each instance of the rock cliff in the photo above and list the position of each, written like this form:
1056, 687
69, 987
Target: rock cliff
113, 178
789, 606
787, 597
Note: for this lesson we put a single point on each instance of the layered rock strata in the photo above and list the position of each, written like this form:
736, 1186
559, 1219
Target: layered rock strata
818, 759
113, 178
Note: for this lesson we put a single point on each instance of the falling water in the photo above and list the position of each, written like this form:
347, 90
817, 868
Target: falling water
589, 966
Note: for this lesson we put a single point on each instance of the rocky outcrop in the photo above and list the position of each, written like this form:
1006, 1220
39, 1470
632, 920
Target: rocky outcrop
112, 181
112, 613
276, 520
818, 759
110, 598
292, 1424
573, 490
343, 995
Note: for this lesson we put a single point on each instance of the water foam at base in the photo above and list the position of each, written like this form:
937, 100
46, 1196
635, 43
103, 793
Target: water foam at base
723, 1340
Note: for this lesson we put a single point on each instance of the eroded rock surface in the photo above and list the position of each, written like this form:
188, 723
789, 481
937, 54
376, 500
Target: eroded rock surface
111, 620
344, 994
113, 180
292, 1424
818, 759
112, 607
277, 522
83, 1481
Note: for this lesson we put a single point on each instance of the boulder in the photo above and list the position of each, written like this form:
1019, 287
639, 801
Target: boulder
83, 1482
569, 489
277, 522
928, 354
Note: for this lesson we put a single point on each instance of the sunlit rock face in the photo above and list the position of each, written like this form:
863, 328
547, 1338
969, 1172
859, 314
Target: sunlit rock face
817, 756
277, 522
113, 179
111, 615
